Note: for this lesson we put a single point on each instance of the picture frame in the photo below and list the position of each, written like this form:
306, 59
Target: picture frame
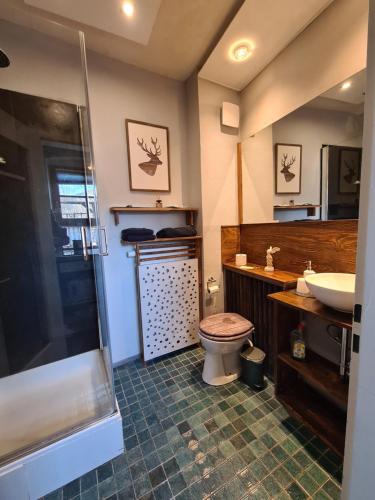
288, 168
148, 156
350, 160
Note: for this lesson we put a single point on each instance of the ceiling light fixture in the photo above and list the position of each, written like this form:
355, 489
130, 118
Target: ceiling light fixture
128, 8
346, 85
241, 50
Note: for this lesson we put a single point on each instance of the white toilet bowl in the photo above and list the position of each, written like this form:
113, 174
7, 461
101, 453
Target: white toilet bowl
222, 337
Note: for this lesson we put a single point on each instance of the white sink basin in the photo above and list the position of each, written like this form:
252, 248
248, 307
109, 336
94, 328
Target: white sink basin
333, 289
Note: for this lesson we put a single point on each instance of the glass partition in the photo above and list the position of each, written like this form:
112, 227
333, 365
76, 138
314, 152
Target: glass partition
53, 328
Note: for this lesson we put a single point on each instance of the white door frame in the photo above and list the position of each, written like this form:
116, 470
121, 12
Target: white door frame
359, 462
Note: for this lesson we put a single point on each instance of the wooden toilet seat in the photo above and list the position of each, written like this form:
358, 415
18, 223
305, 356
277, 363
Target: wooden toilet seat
224, 327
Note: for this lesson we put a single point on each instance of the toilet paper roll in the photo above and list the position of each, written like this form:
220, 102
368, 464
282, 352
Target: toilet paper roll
302, 288
241, 259
212, 289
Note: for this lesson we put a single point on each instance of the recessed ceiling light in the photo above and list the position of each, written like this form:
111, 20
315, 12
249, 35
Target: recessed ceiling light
128, 8
346, 85
241, 50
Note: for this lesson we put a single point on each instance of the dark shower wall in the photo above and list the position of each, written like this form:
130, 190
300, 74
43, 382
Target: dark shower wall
48, 305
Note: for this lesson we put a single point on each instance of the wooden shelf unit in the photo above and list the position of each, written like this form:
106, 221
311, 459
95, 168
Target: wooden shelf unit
321, 374
320, 416
312, 390
311, 209
190, 212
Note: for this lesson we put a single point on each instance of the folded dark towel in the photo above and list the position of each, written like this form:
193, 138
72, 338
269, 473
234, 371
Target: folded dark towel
139, 237
140, 231
176, 232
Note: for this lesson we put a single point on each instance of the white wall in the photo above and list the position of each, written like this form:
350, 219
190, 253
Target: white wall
258, 177
219, 179
312, 128
192, 173
41, 65
327, 52
118, 91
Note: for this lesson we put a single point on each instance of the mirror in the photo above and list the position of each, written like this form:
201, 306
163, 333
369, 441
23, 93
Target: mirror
307, 165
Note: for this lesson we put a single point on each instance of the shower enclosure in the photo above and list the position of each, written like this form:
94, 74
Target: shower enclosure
58, 413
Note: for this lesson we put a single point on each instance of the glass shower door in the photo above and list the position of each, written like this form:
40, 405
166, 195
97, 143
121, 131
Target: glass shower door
55, 369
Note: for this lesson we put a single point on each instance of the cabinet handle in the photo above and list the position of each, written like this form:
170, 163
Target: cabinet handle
84, 243
105, 252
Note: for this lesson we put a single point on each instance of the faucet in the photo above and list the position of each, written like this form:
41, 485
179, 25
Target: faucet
269, 259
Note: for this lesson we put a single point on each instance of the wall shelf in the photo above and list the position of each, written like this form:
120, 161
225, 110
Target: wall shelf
190, 212
163, 240
311, 209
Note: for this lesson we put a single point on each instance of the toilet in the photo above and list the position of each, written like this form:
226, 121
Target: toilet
222, 337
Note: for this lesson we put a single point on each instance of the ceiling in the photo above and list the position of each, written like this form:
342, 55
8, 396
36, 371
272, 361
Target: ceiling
269, 26
355, 94
180, 36
107, 16
350, 100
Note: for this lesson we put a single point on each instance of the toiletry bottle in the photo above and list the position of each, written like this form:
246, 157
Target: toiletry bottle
298, 343
308, 269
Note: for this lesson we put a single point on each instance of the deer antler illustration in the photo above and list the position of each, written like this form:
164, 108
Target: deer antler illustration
149, 167
351, 175
287, 164
153, 155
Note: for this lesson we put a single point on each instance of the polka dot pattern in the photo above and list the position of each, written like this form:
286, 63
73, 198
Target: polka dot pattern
169, 293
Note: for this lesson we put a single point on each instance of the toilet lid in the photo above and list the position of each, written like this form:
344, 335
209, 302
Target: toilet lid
225, 325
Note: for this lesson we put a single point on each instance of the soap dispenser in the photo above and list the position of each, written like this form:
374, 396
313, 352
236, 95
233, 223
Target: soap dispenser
302, 288
308, 269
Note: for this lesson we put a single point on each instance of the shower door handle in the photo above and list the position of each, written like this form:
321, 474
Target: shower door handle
84, 243
104, 252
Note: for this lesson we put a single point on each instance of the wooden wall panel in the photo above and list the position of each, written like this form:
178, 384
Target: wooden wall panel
330, 245
230, 243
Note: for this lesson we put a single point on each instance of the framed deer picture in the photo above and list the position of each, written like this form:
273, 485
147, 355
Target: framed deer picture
288, 164
349, 170
148, 156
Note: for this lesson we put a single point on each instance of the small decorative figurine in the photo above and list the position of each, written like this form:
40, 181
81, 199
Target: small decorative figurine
269, 267
159, 204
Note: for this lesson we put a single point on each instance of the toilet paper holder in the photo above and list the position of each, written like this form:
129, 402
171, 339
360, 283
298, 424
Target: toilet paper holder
212, 286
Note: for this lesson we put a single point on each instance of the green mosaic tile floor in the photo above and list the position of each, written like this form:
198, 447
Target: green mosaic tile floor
187, 440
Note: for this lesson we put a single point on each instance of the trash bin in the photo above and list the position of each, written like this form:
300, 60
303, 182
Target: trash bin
252, 364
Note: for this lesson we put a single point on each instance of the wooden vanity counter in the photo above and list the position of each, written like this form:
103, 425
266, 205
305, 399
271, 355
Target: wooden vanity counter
289, 298
282, 279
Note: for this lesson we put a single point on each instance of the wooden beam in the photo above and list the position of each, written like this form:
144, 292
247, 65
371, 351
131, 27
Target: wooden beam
239, 183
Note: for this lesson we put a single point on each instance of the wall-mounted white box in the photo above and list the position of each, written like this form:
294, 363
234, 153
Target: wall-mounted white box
230, 115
